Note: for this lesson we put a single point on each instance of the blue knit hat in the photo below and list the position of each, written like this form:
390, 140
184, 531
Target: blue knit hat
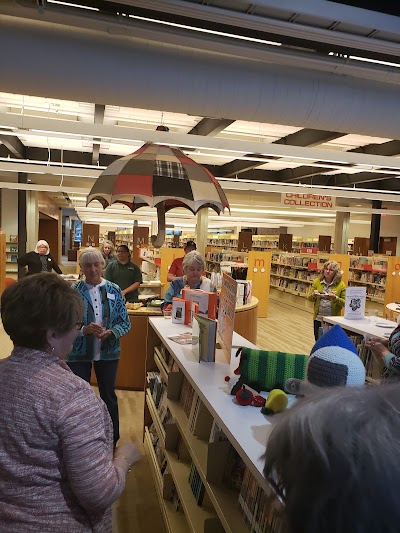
334, 361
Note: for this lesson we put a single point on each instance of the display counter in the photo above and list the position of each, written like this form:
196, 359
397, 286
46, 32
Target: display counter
131, 368
246, 320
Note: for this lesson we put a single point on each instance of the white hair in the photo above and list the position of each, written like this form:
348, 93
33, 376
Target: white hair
42, 243
91, 255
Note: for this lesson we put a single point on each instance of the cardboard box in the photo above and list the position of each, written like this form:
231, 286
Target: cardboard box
187, 310
207, 301
178, 311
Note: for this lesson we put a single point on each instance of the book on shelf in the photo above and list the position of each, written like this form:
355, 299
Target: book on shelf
216, 434
186, 396
13, 238
204, 336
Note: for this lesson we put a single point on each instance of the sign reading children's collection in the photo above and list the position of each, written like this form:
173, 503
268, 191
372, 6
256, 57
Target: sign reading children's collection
354, 307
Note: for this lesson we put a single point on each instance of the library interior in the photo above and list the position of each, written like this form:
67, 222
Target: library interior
291, 111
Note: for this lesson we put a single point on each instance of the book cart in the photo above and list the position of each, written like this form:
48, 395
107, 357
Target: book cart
205, 452
361, 331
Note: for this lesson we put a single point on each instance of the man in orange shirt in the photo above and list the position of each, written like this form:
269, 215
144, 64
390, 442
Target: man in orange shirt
175, 270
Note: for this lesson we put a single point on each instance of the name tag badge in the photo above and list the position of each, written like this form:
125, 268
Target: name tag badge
110, 296
48, 259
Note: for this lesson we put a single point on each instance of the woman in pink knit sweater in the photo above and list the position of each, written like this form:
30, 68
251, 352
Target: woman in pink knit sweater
58, 472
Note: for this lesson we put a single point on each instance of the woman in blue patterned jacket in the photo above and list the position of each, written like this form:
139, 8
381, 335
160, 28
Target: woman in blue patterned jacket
105, 320
388, 350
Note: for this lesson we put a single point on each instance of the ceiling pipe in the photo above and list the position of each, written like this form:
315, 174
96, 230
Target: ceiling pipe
109, 69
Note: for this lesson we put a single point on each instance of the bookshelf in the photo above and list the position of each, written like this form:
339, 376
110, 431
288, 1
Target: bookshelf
196, 478
370, 272
11, 257
252, 265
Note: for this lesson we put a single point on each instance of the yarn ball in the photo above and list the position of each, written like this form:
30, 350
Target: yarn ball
276, 402
334, 361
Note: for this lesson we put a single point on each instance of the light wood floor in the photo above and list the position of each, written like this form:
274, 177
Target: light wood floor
137, 511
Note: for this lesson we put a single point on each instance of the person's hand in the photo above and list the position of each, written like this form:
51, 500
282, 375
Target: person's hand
316, 293
104, 335
331, 295
93, 329
377, 347
127, 453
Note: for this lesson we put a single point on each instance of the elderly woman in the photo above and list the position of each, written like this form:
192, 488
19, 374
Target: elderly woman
107, 250
328, 293
105, 320
388, 351
338, 450
193, 267
40, 260
58, 473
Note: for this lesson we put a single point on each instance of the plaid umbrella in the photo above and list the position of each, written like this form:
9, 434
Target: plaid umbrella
158, 176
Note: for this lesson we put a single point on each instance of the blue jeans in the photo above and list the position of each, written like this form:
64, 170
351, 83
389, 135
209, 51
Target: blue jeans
106, 372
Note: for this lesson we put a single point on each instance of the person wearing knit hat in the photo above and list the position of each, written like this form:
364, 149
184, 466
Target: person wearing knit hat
333, 362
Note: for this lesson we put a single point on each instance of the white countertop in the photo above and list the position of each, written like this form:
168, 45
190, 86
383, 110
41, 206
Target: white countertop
246, 428
368, 326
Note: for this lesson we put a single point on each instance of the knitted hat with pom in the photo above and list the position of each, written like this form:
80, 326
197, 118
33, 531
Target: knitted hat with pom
334, 361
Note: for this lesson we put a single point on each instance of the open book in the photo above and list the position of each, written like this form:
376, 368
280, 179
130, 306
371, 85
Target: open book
204, 336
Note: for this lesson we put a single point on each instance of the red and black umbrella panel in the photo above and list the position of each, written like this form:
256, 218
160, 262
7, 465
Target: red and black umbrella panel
157, 174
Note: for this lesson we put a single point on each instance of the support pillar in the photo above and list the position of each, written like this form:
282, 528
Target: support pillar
375, 227
22, 237
202, 230
341, 232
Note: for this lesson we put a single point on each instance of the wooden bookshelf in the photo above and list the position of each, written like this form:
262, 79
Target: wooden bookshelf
207, 404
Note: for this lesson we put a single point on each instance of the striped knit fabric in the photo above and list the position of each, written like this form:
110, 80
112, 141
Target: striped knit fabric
267, 370
392, 364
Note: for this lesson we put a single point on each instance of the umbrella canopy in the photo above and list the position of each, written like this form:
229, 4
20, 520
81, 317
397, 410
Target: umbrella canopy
158, 176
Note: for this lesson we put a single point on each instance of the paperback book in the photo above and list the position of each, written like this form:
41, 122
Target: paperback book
204, 337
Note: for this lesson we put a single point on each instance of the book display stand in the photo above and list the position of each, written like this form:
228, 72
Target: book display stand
204, 452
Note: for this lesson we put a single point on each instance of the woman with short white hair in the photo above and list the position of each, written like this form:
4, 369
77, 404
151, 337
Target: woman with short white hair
193, 267
40, 260
105, 320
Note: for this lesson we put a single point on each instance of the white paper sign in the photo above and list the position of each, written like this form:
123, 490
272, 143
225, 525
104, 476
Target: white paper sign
354, 307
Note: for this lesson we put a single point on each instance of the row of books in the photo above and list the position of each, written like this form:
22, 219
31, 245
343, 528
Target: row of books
261, 511
196, 484
293, 260
299, 287
368, 277
186, 396
305, 275
158, 391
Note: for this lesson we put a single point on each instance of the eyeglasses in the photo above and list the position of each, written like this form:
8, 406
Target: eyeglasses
79, 325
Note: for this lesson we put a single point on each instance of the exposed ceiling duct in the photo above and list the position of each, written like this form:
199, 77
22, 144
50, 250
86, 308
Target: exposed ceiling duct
119, 70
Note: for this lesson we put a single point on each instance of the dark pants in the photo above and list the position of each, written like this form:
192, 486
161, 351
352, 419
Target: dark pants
106, 372
317, 325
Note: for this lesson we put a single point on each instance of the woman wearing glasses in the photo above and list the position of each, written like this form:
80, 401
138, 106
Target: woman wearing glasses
105, 320
58, 471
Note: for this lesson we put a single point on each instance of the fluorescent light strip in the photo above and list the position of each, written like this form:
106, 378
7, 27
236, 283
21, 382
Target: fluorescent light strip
68, 4
203, 30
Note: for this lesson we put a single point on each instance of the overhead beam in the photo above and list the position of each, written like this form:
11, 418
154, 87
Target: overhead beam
119, 133
210, 126
308, 137
305, 137
14, 146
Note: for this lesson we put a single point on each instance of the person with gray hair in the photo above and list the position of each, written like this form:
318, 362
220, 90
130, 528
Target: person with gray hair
333, 461
105, 320
193, 267
40, 260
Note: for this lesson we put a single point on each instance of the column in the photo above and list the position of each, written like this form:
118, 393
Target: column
202, 230
375, 227
341, 232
